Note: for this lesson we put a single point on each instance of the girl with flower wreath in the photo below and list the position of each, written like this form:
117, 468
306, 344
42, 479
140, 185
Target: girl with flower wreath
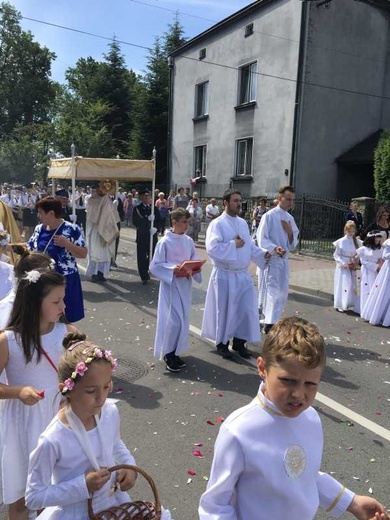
83, 440
30, 349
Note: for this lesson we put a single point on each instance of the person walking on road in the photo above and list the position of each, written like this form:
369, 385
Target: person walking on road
278, 234
143, 219
230, 309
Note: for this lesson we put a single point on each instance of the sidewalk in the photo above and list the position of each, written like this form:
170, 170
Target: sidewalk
308, 274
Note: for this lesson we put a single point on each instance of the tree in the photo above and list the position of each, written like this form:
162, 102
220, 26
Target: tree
382, 168
26, 89
151, 128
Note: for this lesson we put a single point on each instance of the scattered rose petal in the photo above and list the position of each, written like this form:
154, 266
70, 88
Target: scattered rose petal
205, 478
372, 460
119, 390
210, 423
189, 480
191, 472
220, 394
197, 453
378, 413
219, 419
198, 444
349, 448
370, 491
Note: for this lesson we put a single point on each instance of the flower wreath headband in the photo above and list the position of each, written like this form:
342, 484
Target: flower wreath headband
82, 366
34, 275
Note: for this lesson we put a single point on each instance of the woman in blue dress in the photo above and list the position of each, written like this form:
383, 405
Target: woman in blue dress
63, 242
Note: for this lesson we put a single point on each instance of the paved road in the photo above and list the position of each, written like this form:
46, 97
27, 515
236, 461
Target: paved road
165, 416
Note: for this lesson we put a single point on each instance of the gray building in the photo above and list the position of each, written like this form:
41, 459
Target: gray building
283, 92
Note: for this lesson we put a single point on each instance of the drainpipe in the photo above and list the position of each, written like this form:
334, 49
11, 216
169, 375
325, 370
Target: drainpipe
170, 116
303, 40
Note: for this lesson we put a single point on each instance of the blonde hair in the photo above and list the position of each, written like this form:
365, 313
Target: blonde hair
350, 225
294, 339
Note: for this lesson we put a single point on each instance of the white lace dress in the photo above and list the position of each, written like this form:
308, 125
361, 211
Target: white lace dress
22, 425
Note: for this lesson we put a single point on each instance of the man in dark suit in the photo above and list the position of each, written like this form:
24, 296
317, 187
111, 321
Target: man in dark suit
144, 221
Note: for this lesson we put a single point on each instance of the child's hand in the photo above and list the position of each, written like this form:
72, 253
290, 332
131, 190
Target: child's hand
95, 480
126, 479
30, 395
367, 508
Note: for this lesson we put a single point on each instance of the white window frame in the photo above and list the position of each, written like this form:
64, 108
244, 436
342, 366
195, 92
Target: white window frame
243, 164
200, 161
202, 99
247, 85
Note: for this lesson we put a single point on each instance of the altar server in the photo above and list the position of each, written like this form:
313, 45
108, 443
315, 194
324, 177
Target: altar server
278, 234
230, 309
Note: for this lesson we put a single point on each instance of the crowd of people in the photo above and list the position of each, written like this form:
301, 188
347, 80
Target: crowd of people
47, 450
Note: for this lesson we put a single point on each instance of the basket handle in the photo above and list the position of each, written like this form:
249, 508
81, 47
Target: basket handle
141, 472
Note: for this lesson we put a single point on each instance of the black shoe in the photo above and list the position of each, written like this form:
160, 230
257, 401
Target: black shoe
239, 346
113, 263
223, 350
145, 282
95, 278
268, 327
170, 363
100, 277
179, 362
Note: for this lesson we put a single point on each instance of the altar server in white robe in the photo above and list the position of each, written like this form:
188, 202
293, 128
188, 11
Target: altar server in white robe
346, 277
267, 455
278, 234
230, 309
174, 298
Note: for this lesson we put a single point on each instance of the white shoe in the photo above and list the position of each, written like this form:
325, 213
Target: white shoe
340, 310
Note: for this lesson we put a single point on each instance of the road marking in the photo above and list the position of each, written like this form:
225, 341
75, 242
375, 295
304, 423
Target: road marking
327, 401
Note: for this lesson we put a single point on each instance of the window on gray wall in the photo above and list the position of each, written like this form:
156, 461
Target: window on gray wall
200, 153
244, 148
247, 83
202, 99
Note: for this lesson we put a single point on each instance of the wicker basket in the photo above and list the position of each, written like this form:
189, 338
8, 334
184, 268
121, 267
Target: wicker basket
130, 510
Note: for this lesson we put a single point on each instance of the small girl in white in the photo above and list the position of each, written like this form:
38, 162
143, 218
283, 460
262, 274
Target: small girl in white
30, 349
346, 280
377, 308
85, 434
370, 255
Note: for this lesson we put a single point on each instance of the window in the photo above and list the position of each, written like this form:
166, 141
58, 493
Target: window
248, 30
248, 83
202, 99
202, 54
200, 161
244, 156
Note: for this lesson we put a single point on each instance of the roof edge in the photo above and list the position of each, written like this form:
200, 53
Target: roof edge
223, 23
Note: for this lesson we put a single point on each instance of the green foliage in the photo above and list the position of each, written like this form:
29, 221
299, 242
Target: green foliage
382, 168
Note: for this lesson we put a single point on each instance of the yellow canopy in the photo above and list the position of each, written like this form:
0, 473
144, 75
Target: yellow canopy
89, 169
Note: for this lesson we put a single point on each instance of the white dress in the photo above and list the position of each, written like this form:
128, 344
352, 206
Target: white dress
22, 425
231, 306
267, 466
369, 258
270, 234
346, 282
174, 298
377, 308
6, 277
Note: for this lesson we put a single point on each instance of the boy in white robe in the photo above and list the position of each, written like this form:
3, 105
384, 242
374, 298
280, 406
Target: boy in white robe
230, 308
174, 299
278, 234
267, 455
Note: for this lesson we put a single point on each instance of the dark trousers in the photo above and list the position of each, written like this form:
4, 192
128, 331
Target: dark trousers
143, 245
117, 239
81, 218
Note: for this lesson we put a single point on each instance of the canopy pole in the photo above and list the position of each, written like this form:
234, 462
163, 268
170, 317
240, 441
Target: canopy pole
72, 148
152, 224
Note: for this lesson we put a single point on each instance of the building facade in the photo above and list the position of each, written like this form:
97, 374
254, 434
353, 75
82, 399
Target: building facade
277, 94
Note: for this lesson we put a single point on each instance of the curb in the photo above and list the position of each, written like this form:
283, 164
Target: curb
312, 292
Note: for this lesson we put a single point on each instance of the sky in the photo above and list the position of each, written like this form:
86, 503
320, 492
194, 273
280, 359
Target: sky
137, 22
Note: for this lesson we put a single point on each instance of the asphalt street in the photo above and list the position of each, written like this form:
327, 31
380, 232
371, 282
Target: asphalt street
170, 421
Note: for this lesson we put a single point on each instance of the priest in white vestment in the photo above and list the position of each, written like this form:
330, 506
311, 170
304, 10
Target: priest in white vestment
231, 307
278, 234
101, 233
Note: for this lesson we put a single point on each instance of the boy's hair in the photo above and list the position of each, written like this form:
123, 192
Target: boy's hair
77, 349
26, 311
294, 339
50, 204
180, 213
369, 241
29, 260
283, 189
228, 193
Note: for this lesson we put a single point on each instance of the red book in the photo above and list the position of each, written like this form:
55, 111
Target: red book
191, 266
